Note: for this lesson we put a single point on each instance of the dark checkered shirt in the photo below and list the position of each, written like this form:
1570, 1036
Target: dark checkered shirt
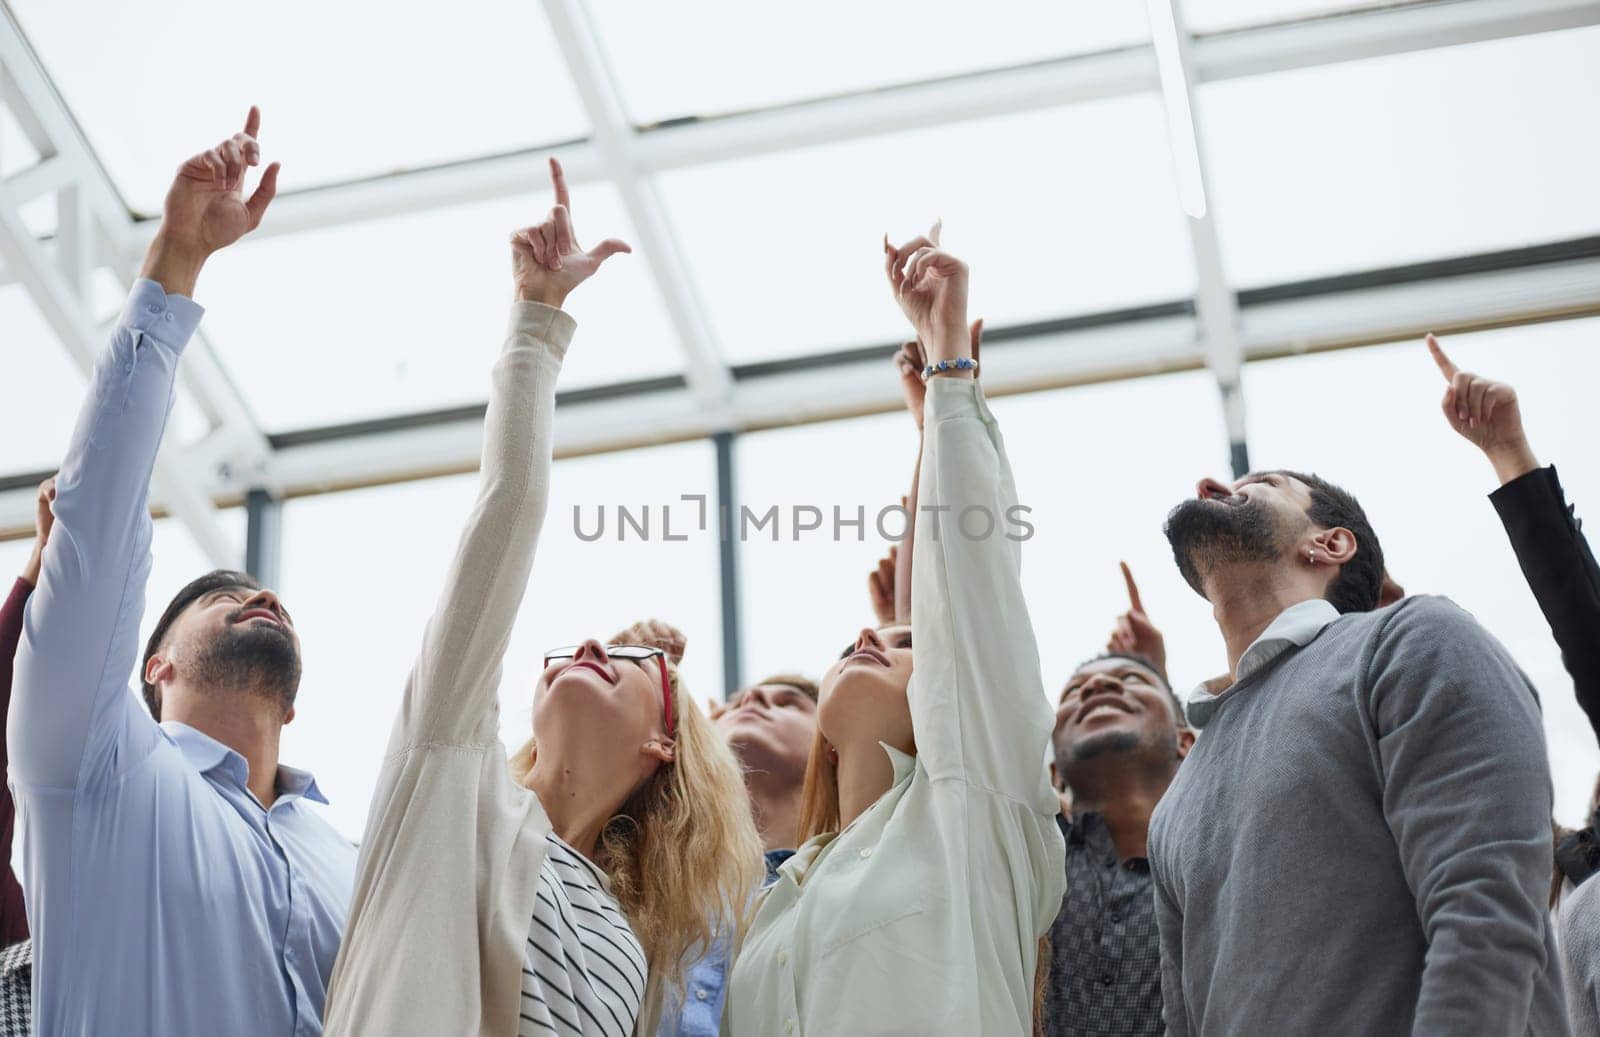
1105, 968
16, 990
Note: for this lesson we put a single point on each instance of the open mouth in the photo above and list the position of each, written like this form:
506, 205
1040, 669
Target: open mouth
596, 667
1099, 703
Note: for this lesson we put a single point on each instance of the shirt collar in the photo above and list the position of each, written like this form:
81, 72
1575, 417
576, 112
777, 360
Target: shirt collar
903, 763
775, 859
206, 754
1296, 626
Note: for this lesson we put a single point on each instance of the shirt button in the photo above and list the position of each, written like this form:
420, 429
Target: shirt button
699, 995
1116, 916
171, 317
1106, 980
783, 957
866, 853
789, 1027
153, 308
1111, 862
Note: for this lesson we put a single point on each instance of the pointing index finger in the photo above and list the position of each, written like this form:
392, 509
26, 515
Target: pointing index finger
558, 177
1446, 368
1133, 588
252, 122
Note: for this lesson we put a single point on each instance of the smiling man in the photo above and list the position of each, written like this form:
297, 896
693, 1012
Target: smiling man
1360, 840
770, 727
177, 882
1119, 737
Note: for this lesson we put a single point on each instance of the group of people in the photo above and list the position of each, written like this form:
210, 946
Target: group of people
1348, 832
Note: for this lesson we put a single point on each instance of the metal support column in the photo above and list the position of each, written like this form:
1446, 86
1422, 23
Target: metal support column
728, 543
263, 538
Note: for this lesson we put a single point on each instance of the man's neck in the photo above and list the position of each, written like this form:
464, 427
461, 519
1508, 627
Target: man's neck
1246, 601
1124, 797
775, 807
253, 733
579, 799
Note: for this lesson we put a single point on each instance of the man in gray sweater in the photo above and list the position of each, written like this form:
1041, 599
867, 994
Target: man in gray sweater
1359, 842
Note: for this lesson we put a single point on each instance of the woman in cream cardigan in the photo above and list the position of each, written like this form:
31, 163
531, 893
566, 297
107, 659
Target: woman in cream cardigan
559, 898
933, 862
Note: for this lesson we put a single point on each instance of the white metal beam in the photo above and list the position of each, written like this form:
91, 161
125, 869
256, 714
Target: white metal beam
1215, 303
1349, 318
1246, 52
615, 141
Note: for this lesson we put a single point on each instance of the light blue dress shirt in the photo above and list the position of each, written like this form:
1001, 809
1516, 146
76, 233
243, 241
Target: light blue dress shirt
699, 1013
163, 899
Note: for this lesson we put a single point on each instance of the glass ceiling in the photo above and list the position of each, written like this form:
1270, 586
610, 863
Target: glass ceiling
348, 89
1062, 211
1399, 159
707, 57
412, 310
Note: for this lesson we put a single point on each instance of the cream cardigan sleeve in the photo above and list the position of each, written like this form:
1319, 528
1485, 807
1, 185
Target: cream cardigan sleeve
451, 697
452, 848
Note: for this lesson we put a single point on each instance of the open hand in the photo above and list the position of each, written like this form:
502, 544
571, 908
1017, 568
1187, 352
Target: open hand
1134, 634
547, 262
1486, 414
931, 287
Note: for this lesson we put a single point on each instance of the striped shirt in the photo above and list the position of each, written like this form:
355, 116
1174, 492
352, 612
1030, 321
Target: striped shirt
583, 972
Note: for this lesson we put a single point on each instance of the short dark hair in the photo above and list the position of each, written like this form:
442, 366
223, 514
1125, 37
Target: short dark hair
805, 685
1149, 664
1360, 580
215, 580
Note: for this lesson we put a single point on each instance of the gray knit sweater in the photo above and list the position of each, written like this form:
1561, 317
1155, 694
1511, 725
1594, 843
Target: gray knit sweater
1359, 843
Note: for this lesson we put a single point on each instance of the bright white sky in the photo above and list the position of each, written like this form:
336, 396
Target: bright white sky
1060, 212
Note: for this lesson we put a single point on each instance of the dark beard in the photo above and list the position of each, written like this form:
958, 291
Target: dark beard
1091, 746
254, 659
1206, 535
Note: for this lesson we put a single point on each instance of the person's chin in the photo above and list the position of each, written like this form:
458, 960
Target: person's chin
1109, 739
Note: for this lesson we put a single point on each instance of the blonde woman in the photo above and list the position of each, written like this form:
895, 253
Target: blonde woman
550, 893
933, 862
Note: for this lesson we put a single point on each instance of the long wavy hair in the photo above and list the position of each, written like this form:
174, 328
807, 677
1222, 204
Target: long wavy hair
682, 852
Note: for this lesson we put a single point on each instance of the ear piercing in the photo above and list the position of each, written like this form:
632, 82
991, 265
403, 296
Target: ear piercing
1312, 557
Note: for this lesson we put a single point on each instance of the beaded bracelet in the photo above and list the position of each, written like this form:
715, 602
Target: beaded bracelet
965, 363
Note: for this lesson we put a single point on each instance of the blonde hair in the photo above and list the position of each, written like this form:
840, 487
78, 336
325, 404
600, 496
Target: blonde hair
682, 852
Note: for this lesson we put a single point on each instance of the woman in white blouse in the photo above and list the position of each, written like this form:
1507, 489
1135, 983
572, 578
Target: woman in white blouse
555, 899
934, 862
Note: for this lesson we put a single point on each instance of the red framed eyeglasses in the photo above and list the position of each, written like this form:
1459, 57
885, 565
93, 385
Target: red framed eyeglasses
635, 653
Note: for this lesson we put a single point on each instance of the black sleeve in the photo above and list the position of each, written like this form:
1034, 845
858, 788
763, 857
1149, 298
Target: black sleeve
1561, 571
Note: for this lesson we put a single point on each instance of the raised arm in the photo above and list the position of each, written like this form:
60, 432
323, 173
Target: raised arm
72, 719
13, 914
977, 701
1467, 795
909, 361
451, 696
1548, 540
